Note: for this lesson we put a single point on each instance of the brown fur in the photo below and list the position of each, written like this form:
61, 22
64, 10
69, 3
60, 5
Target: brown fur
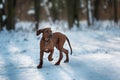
49, 41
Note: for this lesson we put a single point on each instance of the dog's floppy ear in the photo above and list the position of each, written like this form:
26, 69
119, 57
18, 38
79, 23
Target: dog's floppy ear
39, 32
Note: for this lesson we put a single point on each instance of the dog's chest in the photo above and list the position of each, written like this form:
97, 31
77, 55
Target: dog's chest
48, 46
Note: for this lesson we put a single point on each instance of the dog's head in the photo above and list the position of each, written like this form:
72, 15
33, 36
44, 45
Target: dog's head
47, 33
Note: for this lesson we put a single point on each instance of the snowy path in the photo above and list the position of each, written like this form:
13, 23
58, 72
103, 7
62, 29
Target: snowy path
96, 56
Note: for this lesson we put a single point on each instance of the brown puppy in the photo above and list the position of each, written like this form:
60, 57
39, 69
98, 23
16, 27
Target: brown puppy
49, 41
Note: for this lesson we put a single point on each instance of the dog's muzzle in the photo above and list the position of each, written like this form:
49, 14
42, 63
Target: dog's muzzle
50, 36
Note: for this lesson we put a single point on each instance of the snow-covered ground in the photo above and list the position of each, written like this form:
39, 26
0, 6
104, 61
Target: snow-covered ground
96, 56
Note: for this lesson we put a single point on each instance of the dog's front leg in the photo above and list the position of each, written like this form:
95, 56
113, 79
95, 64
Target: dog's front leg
50, 55
41, 59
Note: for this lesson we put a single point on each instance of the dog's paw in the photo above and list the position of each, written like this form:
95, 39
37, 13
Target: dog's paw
39, 66
66, 61
50, 59
57, 63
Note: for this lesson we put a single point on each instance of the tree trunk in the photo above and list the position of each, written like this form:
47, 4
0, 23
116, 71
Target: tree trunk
54, 10
89, 13
70, 12
115, 11
1, 15
73, 7
76, 12
37, 13
11, 14
96, 6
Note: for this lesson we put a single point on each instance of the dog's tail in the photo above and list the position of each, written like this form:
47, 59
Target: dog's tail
69, 45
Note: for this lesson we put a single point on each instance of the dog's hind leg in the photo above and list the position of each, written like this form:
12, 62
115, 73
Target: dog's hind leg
66, 53
60, 48
60, 58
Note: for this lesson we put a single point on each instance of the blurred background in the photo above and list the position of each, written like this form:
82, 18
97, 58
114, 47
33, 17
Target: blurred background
70, 11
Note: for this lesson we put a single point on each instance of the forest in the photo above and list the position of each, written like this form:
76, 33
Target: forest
30, 28
71, 11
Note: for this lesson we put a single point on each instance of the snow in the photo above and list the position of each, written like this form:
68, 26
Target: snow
3, 1
89, 11
1, 6
82, 4
4, 17
31, 12
96, 54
